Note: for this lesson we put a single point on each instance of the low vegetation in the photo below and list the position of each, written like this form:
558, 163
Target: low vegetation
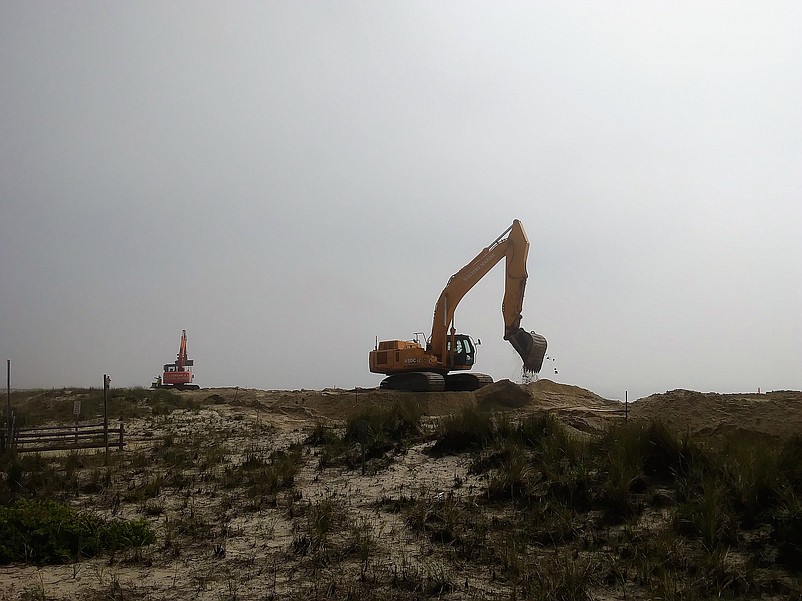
49, 532
40, 407
375, 435
534, 510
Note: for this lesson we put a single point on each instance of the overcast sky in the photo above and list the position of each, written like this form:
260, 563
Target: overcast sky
288, 181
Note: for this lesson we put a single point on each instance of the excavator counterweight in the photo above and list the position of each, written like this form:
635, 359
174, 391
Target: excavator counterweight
409, 365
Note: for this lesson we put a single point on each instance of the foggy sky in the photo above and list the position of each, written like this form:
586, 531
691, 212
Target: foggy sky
288, 181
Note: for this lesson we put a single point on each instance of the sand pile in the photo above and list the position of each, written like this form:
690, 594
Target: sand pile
503, 394
574, 406
773, 414
552, 395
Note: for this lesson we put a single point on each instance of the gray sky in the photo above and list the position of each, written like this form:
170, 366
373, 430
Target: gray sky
288, 180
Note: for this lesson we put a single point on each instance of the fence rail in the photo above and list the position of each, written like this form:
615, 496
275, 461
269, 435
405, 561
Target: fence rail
67, 438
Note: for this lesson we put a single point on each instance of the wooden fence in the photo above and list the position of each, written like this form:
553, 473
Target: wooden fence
67, 438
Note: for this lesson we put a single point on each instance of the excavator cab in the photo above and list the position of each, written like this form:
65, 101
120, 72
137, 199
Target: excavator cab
464, 354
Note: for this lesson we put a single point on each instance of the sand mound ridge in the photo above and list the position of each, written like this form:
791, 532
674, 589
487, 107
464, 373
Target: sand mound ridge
503, 394
549, 394
774, 414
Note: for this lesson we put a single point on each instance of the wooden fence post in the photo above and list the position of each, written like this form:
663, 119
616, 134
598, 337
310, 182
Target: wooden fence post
106, 380
8, 403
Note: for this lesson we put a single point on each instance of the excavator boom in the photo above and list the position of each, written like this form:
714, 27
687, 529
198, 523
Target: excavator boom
513, 245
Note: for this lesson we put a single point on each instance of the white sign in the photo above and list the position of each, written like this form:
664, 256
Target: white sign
76, 407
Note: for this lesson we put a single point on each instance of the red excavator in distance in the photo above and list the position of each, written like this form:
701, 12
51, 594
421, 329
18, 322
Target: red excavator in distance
178, 375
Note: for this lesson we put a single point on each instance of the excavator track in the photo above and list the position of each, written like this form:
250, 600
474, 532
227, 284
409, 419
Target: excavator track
467, 381
176, 386
422, 381
416, 381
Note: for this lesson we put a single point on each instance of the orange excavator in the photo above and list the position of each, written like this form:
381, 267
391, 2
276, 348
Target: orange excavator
178, 375
411, 366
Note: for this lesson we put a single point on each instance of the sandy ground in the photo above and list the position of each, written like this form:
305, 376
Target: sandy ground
256, 564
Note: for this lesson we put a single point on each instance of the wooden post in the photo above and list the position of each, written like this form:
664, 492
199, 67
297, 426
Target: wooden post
362, 428
122, 431
106, 381
626, 405
76, 409
8, 401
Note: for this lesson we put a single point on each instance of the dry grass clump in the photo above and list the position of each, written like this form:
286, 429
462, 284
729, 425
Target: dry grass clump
374, 434
639, 507
262, 476
38, 407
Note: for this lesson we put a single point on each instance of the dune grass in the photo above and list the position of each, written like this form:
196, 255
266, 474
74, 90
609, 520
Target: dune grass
536, 510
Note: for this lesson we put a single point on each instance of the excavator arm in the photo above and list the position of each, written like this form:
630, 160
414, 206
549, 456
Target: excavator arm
181, 357
513, 245
182, 361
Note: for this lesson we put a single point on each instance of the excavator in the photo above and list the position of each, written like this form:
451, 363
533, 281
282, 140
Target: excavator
411, 366
178, 375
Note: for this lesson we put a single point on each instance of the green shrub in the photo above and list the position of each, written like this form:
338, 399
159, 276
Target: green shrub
563, 577
312, 533
664, 455
511, 480
49, 532
707, 516
789, 464
264, 477
750, 470
31, 476
469, 429
451, 521
787, 529
400, 420
321, 435
539, 429
380, 429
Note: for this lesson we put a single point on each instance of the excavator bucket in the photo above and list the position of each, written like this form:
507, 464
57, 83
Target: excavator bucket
531, 347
